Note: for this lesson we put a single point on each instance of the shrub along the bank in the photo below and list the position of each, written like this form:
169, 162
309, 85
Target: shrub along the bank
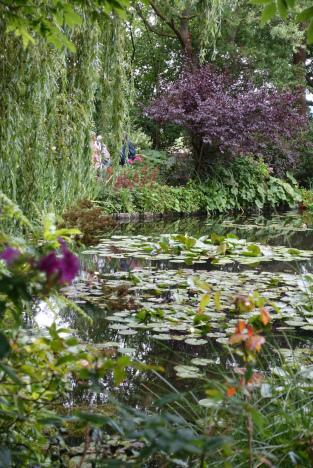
244, 184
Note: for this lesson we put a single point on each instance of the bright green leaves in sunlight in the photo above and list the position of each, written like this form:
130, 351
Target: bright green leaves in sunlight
282, 8
53, 20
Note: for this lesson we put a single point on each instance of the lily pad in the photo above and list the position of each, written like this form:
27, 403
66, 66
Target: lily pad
195, 341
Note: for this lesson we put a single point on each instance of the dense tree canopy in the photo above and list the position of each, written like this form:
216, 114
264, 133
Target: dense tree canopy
229, 114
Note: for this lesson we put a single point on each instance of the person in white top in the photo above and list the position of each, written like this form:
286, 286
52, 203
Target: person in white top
101, 159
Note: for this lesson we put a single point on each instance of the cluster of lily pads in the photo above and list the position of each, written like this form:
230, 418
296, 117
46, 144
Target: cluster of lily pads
179, 248
195, 308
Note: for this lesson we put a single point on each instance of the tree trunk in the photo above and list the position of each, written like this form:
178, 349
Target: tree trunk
299, 58
204, 155
186, 41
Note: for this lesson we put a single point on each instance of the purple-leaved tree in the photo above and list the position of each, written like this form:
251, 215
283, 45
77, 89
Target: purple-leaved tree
228, 115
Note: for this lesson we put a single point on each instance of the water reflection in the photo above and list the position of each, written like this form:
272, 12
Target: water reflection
291, 229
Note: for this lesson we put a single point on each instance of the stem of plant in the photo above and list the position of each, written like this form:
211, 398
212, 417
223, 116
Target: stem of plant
250, 435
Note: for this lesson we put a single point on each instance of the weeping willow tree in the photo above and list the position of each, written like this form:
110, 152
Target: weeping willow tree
213, 12
47, 111
115, 87
177, 19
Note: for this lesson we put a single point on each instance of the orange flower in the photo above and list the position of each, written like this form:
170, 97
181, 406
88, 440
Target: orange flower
239, 336
265, 316
231, 391
241, 325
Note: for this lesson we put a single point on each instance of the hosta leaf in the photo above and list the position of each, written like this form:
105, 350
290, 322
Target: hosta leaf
310, 33
305, 14
268, 13
282, 8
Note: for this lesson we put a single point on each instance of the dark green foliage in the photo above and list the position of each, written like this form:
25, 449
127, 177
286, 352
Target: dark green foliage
271, 8
244, 184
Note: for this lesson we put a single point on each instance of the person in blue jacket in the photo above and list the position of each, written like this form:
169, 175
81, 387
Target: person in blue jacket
128, 151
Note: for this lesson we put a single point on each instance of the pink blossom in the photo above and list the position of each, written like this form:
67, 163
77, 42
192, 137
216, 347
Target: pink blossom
9, 255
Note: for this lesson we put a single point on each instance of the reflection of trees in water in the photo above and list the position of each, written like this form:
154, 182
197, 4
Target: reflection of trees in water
275, 228
140, 388
150, 351
168, 354
94, 263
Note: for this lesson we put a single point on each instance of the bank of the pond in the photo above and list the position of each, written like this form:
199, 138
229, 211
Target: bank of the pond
211, 197
157, 201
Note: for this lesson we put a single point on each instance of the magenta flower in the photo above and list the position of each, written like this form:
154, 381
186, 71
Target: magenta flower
9, 255
50, 264
65, 267
69, 265
138, 158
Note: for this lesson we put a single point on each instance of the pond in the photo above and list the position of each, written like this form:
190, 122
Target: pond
143, 284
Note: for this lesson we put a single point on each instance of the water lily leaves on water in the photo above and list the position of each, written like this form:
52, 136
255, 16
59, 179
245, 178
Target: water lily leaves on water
183, 246
222, 261
294, 251
162, 336
114, 318
250, 260
127, 351
110, 344
127, 332
202, 361
139, 326
155, 283
90, 252
215, 335
222, 340
179, 327
187, 372
287, 293
195, 341
123, 313
118, 326
295, 323
252, 251
161, 329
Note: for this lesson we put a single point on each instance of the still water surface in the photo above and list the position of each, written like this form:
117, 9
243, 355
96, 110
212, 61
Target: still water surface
114, 285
